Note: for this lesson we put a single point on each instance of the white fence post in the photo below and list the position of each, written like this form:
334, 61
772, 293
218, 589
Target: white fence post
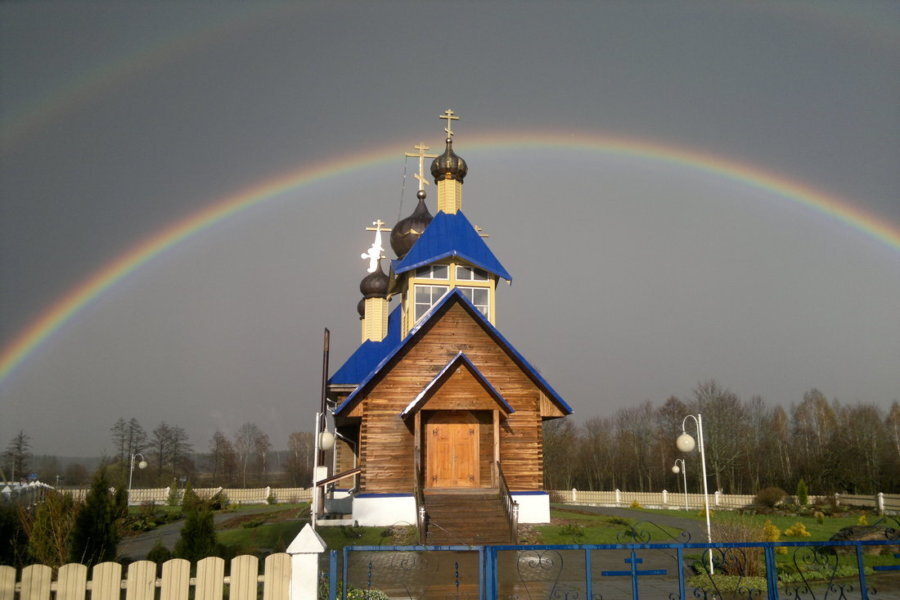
665, 497
717, 497
305, 551
880, 502
836, 499
618, 497
574, 495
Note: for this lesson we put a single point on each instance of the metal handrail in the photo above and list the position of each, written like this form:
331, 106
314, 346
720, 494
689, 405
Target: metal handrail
510, 506
343, 475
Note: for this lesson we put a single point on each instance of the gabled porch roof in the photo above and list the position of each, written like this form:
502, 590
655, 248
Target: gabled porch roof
459, 361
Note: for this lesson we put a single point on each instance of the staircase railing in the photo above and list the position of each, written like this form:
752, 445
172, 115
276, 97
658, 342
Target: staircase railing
421, 514
510, 506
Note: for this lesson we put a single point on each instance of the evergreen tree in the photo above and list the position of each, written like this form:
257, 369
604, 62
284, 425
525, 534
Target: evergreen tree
802, 493
198, 536
95, 536
50, 529
13, 547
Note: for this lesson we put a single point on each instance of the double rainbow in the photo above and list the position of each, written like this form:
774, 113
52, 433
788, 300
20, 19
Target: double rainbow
796, 192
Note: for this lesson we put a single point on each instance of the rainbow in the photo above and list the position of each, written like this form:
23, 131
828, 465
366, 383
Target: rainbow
796, 192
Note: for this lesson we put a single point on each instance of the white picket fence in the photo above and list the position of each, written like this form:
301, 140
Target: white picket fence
884, 503
235, 495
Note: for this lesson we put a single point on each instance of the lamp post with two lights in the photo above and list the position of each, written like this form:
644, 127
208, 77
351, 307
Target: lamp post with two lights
686, 443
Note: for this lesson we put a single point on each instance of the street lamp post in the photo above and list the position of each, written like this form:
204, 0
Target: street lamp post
141, 465
683, 470
686, 443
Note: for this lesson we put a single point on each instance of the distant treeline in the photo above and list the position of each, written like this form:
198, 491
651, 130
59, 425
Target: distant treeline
749, 445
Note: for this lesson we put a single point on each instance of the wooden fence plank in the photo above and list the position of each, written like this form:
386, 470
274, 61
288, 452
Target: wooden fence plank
106, 581
7, 583
210, 582
36, 582
277, 584
141, 584
176, 579
71, 582
244, 571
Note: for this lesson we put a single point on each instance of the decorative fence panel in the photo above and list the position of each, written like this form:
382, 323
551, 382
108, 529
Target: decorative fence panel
658, 571
141, 583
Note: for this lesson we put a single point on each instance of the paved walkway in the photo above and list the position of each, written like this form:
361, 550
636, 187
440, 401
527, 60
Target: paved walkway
136, 547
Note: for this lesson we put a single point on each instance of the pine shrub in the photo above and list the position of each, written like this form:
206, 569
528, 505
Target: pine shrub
95, 534
802, 493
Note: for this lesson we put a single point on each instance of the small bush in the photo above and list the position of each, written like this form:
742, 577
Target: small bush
797, 530
159, 553
819, 516
635, 504
862, 520
174, 498
746, 562
770, 496
771, 533
271, 499
219, 501
802, 493
571, 530
189, 500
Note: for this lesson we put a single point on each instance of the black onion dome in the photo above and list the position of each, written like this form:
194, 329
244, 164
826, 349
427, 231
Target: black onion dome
375, 285
361, 308
407, 231
448, 165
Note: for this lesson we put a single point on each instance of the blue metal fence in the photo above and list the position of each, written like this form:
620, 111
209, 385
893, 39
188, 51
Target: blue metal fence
808, 571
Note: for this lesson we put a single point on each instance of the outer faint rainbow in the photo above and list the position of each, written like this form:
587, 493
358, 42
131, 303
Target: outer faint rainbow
79, 297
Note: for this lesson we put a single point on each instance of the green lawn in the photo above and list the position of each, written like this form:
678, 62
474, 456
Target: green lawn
273, 537
818, 531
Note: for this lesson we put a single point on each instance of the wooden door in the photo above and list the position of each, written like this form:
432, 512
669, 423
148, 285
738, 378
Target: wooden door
452, 450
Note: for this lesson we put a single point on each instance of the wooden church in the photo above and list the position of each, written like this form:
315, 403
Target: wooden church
436, 418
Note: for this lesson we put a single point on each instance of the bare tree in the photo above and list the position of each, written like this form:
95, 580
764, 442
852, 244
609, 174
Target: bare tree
223, 460
18, 454
301, 448
247, 443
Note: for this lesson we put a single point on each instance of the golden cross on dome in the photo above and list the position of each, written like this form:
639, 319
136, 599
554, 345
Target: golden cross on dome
450, 117
421, 147
481, 232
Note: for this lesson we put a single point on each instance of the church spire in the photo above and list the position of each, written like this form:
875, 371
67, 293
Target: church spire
449, 171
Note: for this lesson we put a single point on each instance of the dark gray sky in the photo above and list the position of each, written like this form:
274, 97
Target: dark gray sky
634, 279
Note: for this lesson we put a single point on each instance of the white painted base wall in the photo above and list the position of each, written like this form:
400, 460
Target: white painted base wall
383, 511
533, 508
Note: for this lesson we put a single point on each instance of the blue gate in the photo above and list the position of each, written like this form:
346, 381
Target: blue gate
664, 571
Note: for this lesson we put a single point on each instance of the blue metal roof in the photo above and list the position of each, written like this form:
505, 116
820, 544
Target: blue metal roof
369, 354
453, 296
442, 376
450, 235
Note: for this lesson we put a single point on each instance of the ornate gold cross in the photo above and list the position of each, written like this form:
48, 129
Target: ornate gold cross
450, 117
421, 147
